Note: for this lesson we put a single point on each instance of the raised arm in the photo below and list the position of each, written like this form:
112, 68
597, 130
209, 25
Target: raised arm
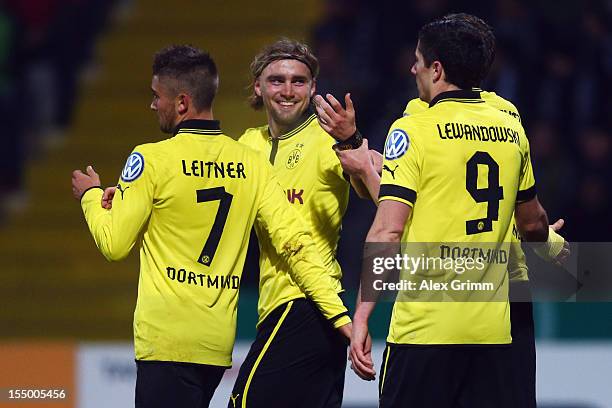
115, 231
356, 160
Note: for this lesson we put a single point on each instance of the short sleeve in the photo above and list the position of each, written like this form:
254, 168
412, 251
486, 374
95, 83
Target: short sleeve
527, 185
401, 165
415, 106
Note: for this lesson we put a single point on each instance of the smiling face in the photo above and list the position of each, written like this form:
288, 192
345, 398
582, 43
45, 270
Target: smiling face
286, 87
163, 104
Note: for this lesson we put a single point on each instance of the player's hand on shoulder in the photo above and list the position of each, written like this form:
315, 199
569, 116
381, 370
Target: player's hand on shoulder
335, 119
82, 182
355, 162
107, 197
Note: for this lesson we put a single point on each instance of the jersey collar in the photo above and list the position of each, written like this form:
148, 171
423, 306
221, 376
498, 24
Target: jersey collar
198, 126
461, 95
297, 130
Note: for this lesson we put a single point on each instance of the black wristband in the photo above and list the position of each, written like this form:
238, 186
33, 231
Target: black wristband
353, 142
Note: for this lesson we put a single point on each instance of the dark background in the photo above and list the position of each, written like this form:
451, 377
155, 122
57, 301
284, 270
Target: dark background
74, 90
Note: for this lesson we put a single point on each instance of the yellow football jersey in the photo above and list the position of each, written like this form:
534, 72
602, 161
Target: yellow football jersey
196, 196
461, 165
517, 264
311, 175
417, 105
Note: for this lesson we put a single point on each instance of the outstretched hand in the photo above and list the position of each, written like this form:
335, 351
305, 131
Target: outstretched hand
82, 182
333, 118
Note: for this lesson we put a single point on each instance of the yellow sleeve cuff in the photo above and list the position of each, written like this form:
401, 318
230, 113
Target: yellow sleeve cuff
89, 195
341, 321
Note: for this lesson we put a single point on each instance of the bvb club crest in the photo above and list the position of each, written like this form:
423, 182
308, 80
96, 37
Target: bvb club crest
294, 157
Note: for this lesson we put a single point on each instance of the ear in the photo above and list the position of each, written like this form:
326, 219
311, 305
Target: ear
183, 101
257, 87
437, 72
313, 89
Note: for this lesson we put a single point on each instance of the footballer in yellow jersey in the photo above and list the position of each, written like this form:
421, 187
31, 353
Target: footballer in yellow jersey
314, 184
480, 138
195, 197
459, 171
295, 361
521, 308
198, 193
517, 266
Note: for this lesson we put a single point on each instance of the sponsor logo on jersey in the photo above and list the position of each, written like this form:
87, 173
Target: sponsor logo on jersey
294, 195
133, 167
387, 168
122, 190
397, 144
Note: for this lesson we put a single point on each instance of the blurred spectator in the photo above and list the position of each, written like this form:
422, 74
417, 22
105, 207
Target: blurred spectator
591, 221
553, 60
11, 108
44, 47
344, 42
554, 169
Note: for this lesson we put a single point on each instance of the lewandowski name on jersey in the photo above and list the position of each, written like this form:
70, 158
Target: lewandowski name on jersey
480, 133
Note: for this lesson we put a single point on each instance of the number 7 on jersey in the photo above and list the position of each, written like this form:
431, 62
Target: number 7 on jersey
225, 198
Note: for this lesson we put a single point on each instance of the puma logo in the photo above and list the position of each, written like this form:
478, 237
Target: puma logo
385, 167
122, 190
234, 398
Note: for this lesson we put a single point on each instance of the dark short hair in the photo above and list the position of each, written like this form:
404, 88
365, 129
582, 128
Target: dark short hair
194, 71
464, 44
282, 49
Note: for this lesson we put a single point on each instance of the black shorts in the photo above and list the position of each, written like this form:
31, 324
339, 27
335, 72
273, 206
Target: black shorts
163, 384
297, 360
446, 376
523, 345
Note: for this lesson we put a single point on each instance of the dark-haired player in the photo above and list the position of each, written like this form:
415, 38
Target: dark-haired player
195, 197
461, 169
